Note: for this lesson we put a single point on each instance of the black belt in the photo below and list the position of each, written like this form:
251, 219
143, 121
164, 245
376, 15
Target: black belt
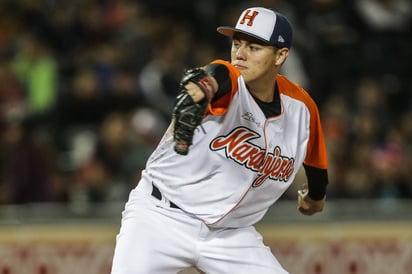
156, 193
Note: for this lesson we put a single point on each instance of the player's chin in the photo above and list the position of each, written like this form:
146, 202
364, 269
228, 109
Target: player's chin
248, 79
246, 75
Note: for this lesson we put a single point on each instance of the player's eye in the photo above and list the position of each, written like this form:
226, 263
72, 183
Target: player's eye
235, 44
254, 48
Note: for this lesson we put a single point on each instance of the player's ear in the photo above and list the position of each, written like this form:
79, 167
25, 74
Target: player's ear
280, 56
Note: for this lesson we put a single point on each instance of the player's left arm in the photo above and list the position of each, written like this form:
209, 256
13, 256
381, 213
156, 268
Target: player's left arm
312, 197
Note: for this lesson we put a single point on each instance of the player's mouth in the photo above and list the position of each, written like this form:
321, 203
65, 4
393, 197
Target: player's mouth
239, 67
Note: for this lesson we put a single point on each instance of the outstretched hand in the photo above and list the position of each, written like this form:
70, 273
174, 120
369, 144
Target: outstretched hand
197, 90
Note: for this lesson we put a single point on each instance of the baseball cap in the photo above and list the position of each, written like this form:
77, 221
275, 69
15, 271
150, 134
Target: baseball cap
269, 26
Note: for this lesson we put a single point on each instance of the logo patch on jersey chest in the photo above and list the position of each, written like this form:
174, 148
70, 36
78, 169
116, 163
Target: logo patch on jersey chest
251, 118
238, 147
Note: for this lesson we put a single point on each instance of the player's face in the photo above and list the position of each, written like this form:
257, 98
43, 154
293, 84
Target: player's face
254, 60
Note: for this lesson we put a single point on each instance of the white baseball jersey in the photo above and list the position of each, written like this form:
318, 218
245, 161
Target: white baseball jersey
240, 162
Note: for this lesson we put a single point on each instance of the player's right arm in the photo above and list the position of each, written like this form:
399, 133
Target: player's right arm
219, 79
198, 88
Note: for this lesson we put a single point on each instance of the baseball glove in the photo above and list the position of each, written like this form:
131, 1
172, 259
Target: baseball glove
187, 114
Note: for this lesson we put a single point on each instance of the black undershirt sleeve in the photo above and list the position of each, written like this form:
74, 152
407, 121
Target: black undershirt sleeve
317, 182
221, 74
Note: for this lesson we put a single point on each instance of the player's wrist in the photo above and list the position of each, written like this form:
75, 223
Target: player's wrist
220, 74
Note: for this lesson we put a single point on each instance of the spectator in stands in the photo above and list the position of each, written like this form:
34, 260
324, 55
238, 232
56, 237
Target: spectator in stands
37, 70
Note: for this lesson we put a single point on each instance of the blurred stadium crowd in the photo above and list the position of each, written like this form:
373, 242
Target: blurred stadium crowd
87, 88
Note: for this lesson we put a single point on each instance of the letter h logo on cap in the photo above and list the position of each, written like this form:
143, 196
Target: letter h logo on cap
264, 24
249, 17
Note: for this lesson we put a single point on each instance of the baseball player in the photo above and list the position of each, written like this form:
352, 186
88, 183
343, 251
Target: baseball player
240, 132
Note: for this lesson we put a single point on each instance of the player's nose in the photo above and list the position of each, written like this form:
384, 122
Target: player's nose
240, 53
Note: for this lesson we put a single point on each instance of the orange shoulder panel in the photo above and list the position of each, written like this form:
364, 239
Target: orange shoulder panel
220, 106
316, 155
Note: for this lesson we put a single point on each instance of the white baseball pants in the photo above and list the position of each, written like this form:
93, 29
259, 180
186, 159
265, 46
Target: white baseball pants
157, 239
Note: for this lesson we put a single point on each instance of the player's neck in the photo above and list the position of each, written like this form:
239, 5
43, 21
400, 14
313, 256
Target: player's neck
263, 86
264, 93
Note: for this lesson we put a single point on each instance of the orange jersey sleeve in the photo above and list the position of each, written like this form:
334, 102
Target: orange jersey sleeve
316, 155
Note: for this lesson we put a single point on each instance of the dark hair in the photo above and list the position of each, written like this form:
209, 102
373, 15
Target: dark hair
243, 36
